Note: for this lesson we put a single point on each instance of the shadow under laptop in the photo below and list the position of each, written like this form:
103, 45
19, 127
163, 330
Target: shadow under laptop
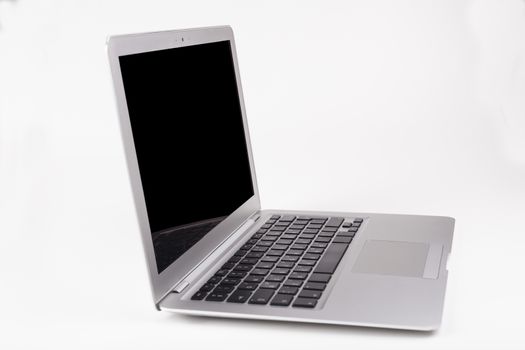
301, 326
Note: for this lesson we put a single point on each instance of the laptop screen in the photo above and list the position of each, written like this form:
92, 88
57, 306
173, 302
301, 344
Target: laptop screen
189, 138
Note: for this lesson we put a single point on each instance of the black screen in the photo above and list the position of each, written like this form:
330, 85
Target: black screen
189, 137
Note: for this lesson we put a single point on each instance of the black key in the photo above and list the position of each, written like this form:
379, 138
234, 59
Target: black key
329, 229
262, 230
320, 277
259, 249
199, 295
299, 246
266, 226
286, 264
270, 285
249, 261
288, 290
217, 296
269, 239
315, 286
257, 236
221, 273
326, 234
345, 234
318, 220
265, 244
297, 227
308, 235
261, 296
252, 241
315, 251
254, 255
243, 268
253, 279
334, 222
292, 231
291, 258
315, 226
293, 283
347, 224
223, 288
358, 220
304, 218
298, 275
314, 294
273, 234
274, 252
319, 245
285, 241
311, 256
280, 271
305, 302
288, 218
295, 252
279, 226
279, 247
270, 259
278, 229
309, 231
231, 281
264, 265
300, 222
303, 268
247, 246
331, 258
353, 229
303, 241
340, 239
240, 296
260, 272
307, 262
236, 274
323, 239
275, 217
247, 286
282, 300
207, 287
214, 280
275, 278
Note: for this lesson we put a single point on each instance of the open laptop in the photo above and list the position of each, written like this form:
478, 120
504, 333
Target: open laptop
210, 247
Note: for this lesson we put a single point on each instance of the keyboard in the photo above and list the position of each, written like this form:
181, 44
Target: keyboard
287, 262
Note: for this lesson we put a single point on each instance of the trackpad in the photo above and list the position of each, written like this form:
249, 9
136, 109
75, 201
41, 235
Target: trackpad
409, 259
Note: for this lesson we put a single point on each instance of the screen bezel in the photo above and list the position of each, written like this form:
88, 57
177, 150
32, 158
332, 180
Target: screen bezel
121, 45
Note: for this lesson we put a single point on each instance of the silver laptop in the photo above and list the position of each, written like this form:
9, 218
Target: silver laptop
210, 248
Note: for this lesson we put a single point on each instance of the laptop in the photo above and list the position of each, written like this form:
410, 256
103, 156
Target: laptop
210, 248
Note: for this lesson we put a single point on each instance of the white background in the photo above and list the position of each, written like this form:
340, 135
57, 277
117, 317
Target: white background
381, 106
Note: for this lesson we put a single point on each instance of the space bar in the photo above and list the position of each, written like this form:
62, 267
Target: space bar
331, 258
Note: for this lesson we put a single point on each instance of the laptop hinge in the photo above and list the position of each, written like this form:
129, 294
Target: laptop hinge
221, 248
181, 286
